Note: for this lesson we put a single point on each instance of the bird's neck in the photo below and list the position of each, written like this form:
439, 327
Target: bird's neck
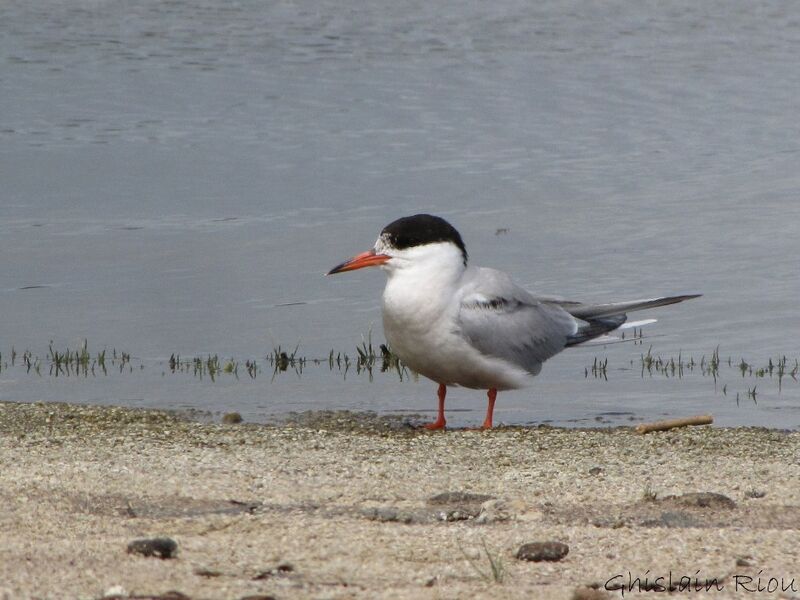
423, 290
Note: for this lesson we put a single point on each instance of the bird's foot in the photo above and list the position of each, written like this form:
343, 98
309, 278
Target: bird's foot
437, 424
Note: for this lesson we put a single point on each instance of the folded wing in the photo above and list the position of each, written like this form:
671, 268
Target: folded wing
500, 319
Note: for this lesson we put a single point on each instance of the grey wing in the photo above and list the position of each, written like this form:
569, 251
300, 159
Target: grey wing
500, 319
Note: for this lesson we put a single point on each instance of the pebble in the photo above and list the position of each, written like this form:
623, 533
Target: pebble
589, 593
163, 547
702, 500
458, 498
115, 590
543, 551
281, 570
203, 572
168, 596
458, 506
458, 514
389, 514
232, 418
494, 511
673, 519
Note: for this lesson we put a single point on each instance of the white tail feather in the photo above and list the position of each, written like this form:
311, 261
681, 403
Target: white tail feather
606, 339
634, 324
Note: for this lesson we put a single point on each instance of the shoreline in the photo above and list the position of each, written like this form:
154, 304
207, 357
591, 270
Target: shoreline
345, 505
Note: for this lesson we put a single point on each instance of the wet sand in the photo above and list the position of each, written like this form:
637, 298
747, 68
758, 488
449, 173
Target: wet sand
356, 506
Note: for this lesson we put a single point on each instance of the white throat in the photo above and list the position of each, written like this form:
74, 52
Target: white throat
421, 282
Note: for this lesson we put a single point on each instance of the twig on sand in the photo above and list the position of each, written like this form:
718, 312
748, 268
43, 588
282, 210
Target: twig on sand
672, 423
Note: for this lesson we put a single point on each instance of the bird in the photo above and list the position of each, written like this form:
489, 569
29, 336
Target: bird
462, 325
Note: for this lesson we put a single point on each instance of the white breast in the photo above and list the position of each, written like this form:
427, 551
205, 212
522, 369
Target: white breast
420, 319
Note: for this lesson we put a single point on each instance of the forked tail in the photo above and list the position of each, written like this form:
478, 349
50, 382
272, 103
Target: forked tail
604, 318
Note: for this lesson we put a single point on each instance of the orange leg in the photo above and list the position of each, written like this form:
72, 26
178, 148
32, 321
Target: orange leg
440, 422
487, 422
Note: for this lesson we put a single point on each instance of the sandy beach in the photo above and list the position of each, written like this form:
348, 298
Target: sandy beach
343, 505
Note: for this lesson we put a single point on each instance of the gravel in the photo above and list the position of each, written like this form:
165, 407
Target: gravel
345, 499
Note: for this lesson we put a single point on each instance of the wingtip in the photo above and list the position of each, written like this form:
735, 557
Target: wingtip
682, 297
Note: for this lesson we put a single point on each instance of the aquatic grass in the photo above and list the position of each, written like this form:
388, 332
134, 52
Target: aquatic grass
368, 358
364, 361
599, 369
391, 362
777, 369
251, 367
366, 352
637, 336
82, 361
31, 362
281, 361
751, 393
76, 362
651, 364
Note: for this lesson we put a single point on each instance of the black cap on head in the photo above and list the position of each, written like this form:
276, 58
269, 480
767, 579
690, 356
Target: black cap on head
418, 230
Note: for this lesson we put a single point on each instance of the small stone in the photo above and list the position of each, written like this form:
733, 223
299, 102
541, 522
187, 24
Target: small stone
675, 519
703, 500
611, 521
388, 514
494, 511
203, 572
744, 561
281, 570
755, 494
458, 506
160, 547
172, 595
232, 418
458, 498
589, 593
543, 551
595, 471
258, 597
115, 590
458, 514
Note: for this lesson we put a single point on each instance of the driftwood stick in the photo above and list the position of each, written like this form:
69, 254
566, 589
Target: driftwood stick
672, 423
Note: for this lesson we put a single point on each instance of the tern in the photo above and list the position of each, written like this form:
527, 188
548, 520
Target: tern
461, 325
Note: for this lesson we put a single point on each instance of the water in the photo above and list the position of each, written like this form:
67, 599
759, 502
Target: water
176, 176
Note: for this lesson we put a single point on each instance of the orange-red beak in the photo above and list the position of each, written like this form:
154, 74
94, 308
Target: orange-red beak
365, 259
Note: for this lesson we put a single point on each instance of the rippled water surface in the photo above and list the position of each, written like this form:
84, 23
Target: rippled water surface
176, 177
